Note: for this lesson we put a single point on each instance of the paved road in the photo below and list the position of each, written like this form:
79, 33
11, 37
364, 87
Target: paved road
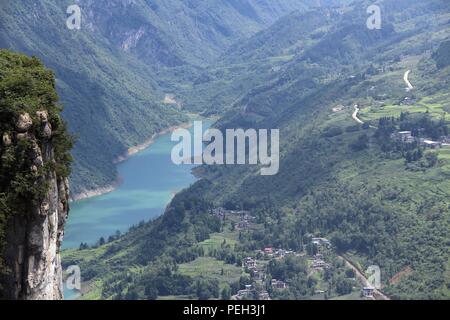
377, 294
406, 79
355, 115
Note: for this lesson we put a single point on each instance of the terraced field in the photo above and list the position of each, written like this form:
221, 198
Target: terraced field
212, 269
430, 105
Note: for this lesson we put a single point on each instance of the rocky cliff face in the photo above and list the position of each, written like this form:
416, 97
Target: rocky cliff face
34, 236
35, 162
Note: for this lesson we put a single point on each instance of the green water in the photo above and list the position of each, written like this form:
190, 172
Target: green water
149, 181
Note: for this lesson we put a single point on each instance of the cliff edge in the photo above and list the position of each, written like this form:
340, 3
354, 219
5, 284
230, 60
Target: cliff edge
34, 190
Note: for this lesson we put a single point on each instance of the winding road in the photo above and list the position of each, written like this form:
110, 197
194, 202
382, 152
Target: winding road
406, 79
355, 115
409, 88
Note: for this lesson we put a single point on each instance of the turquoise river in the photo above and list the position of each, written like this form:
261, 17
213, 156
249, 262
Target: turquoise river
149, 180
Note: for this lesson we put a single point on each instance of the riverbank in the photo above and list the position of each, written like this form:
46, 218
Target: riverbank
147, 143
149, 181
86, 194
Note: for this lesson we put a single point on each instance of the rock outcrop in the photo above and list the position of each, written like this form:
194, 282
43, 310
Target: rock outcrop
34, 236
35, 161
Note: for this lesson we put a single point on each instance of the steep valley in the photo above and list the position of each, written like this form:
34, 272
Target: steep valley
338, 179
113, 73
350, 196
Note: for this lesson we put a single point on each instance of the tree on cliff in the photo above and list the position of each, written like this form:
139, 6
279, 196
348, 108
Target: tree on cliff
34, 167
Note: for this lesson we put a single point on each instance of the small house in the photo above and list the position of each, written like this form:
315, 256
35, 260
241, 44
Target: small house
432, 144
368, 292
321, 242
263, 295
317, 264
278, 284
249, 263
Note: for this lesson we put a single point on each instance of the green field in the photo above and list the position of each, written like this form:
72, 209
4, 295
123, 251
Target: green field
444, 154
170, 298
444, 157
75, 255
355, 295
217, 239
373, 113
93, 291
211, 268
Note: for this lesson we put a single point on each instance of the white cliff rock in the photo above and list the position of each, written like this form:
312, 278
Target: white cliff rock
6, 140
34, 236
24, 123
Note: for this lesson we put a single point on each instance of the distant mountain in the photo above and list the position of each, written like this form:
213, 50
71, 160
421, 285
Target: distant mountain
111, 74
175, 32
111, 100
333, 35
286, 37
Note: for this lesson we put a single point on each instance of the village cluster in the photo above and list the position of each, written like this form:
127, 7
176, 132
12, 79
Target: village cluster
244, 219
256, 265
407, 137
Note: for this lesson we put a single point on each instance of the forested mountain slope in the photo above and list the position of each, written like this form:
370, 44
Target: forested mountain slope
113, 73
330, 35
174, 32
111, 100
379, 201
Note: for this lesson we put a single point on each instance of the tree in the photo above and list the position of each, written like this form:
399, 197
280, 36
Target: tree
332, 132
311, 249
361, 143
151, 292
226, 293
131, 295
349, 273
431, 158
207, 289
343, 286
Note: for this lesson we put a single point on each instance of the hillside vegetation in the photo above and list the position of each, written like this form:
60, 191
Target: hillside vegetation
113, 73
378, 201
